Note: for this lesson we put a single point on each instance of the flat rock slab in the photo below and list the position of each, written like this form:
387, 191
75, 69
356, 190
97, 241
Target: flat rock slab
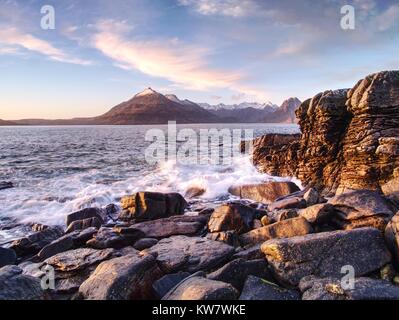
199, 288
324, 254
282, 229
16, 286
181, 253
128, 277
256, 288
264, 192
363, 289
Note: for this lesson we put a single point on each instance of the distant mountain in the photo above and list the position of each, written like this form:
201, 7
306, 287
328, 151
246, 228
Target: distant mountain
6, 123
244, 105
285, 113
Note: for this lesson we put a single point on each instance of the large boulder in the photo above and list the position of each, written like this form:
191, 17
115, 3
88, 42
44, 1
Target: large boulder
325, 254
152, 205
181, 253
16, 286
256, 288
85, 214
7, 257
93, 222
163, 285
314, 288
232, 216
237, 271
283, 229
110, 238
199, 288
264, 192
125, 278
361, 208
318, 214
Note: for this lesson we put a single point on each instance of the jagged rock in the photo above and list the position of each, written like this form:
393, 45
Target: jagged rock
264, 192
33, 243
7, 257
163, 285
16, 286
311, 196
125, 278
199, 288
232, 216
181, 253
250, 253
237, 271
256, 288
361, 208
229, 237
109, 238
349, 138
284, 214
392, 237
67, 242
391, 189
314, 288
6, 185
163, 228
85, 214
145, 243
153, 205
94, 222
324, 254
318, 214
287, 203
283, 229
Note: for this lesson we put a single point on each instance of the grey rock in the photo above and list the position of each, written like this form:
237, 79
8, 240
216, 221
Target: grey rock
318, 214
287, 203
163, 285
7, 257
84, 224
250, 253
145, 243
109, 238
85, 214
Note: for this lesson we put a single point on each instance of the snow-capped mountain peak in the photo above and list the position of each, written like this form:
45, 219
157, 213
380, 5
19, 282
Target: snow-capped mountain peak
146, 92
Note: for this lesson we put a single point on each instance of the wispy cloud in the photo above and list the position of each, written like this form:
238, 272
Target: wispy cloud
233, 8
13, 40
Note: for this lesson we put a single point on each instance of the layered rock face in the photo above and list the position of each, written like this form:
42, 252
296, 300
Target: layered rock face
349, 139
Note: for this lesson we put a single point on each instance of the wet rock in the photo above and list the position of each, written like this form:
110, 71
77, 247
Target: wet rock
16, 286
250, 253
232, 216
109, 238
125, 278
237, 271
194, 192
6, 185
392, 237
229, 237
314, 288
7, 257
265, 192
256, 288
287, 203
145, 243
361, 208
283, 229
33, 243
94, 222
163, 285
181, 253
324, 254
85, 214
153, 205
318, 214
199, 288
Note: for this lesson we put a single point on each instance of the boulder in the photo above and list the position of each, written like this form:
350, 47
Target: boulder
33, 243
16, 286
163, 285
256, 288
314, 288
7, 257
361, 208
181, 253
194, 192
237, 271
229, 237
85, 214
392, 237
163, 228
199, 288
318, 214
391, 189
250, 253
264, 192
325, 254
153, 205
284, 214
109, 238
287, 203
145, 243
125, 278
311, 196
232, 216
6, 185
283, 229
93, 222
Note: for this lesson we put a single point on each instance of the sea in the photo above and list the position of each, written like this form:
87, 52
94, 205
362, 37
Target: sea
57, 170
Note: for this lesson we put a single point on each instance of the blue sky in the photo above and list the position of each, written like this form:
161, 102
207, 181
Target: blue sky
102, 52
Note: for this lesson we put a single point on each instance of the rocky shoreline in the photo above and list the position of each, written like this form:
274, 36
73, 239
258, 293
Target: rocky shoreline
337, 239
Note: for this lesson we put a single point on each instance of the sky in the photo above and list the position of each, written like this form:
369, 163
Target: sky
103, 52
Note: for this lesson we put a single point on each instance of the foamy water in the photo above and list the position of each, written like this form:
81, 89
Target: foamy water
58, 170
